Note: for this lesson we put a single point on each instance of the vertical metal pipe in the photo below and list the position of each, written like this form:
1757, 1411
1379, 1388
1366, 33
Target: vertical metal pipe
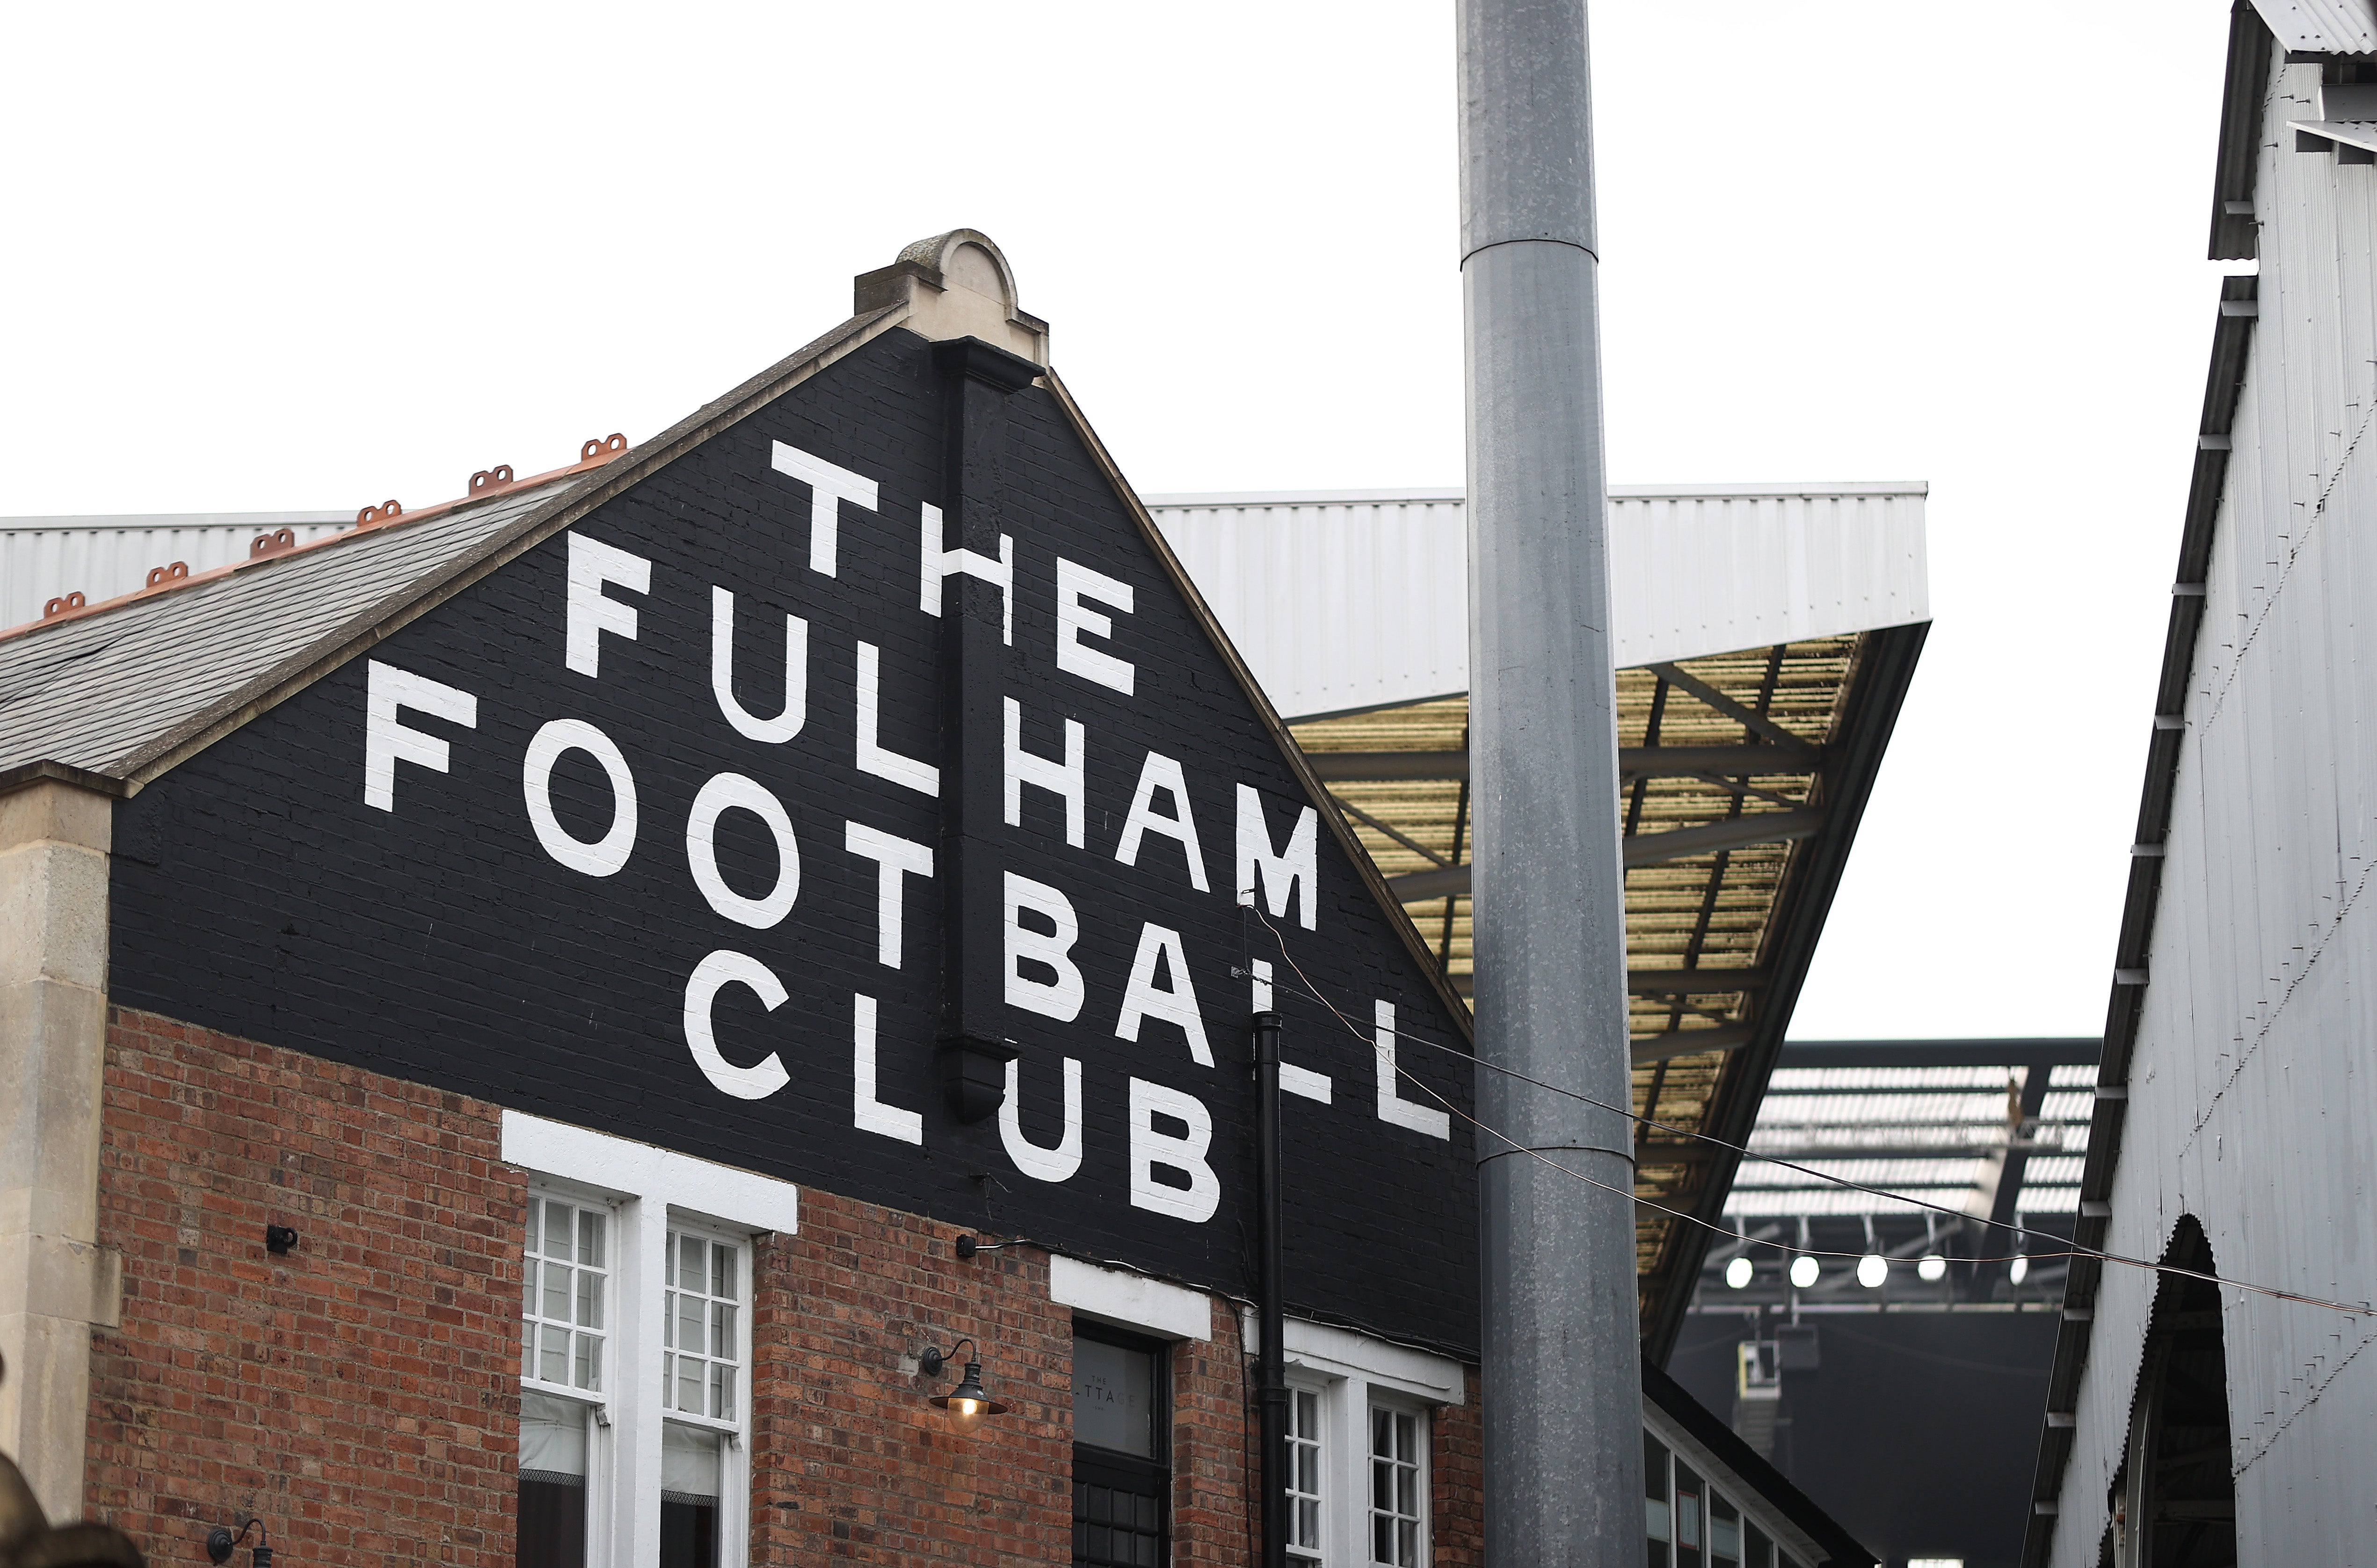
1563, 1399
1271, 1370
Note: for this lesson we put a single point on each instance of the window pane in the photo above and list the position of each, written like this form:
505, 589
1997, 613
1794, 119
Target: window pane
688, 1384
590, 1362
1113, 1397
557, 1231
552, 1525
556, 1293
689, 1324
589, 1299
590, 1238
1654, 1468
527, 1287
693, 1264
552, 1363
722, 1331
722, 1271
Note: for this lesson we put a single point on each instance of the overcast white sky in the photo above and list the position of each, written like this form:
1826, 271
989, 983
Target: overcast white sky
284, 256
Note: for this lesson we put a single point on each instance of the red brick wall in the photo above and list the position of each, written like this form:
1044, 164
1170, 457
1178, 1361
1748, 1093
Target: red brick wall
869, 1472
362, 1395
1457, 1482
1214, 1448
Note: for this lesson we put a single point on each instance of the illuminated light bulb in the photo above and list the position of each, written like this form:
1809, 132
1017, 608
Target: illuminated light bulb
1872, 1269
1803, 1271
967, 1404
1738, 1273
1932, 1269
2020, 1271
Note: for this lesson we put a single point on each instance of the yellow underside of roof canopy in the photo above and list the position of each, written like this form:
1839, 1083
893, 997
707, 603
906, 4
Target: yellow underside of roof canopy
1711, 912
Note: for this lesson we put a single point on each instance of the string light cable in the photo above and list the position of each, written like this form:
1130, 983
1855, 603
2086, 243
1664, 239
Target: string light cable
1311, 993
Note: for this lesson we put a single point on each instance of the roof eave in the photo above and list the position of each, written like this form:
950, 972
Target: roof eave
2235, 232
1852, 763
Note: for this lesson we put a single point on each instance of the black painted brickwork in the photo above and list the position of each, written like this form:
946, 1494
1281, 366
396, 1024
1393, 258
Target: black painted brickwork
255, 892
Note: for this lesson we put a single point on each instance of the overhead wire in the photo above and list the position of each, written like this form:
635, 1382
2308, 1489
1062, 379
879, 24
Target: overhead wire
2073, 1251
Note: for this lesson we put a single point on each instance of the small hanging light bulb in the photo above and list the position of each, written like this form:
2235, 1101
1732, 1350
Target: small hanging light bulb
1872, 1269
1803, 1271
1738, 1273
1932, 1269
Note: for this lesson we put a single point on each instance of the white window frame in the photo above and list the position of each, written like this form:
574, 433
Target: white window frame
1400, 1405
735, 1458
1794, 1546
1324, 1393
601, 1459
651, 1191
1352, 1372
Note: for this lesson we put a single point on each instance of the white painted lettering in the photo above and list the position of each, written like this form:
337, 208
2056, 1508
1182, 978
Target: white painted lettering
940, 563
591, 613
388, 741
1279, 874
1062, 779
603, 857
921, 777
1042, 1165
713, 975
869, 1114
723, 794
1162, 772
1393, 1106
1060, 999
1074, 619
796, 712
829, 487
1292, 1079
896, 859
1174, 1004
1150, 1148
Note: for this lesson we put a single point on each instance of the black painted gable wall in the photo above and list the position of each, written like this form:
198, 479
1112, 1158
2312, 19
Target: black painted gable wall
257, 891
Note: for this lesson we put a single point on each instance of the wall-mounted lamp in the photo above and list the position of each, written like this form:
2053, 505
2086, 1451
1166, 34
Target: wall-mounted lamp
966, 1404
279, 1239
220, 1541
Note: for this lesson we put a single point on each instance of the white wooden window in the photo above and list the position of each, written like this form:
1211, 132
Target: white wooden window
565, 1284
704, 1482
701, 1315
565, 1353
1306, 1488
1398, 1488
636, 1350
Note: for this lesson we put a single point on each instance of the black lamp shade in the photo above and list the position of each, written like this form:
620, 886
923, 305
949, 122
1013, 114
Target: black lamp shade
967, 1404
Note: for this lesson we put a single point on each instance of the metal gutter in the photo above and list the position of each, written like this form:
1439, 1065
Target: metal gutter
2243, 101
2231, 341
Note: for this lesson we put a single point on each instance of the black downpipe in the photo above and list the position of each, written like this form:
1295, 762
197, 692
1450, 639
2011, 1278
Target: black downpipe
1271, 1370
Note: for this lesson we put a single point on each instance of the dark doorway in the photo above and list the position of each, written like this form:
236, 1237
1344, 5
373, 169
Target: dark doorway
2174, 1499
1122, 1460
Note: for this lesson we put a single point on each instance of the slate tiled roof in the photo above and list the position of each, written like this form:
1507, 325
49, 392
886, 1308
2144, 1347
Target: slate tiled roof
93, 692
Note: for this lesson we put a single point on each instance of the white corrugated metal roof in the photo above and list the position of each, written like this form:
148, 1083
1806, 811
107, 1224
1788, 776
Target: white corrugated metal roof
1352, 599
41, 557
2322, 27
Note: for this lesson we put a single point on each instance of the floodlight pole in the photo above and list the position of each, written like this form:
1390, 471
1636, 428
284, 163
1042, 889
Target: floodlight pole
1563, 1393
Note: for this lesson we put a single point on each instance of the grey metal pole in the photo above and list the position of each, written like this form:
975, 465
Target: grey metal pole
1563, 1392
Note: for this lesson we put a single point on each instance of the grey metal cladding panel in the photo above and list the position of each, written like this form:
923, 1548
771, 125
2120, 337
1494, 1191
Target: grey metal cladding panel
91, 692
